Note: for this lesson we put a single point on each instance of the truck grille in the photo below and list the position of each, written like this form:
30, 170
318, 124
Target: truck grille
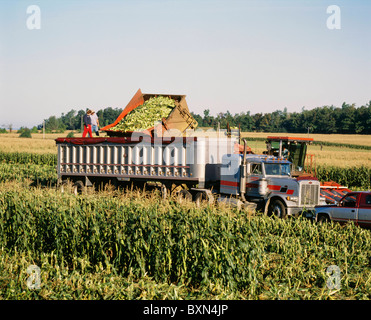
309, 194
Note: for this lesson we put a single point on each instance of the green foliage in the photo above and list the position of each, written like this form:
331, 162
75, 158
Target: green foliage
34, 130
52, 124
18, 166
145, 116
343, 145
25, 133
48, 159
353, 177
134, 245
326, 119
86, 244
38, 174
72, 119
22, 129
70, 134
347, 119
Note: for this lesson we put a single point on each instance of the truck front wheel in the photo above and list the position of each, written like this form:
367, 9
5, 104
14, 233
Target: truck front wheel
323, 218
277, 208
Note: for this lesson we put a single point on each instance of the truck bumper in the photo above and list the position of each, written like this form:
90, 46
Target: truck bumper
297, 211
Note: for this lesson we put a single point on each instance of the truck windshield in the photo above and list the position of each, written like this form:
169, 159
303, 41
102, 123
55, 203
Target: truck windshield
277, 169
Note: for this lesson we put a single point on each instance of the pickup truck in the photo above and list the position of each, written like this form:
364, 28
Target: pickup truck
354, 206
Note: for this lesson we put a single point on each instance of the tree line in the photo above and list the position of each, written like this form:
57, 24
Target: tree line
347, 119
72, 120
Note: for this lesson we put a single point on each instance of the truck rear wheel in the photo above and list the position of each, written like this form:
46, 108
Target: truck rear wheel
277, 208
165, 191
64, 186
184, 196
203, 197
78, 187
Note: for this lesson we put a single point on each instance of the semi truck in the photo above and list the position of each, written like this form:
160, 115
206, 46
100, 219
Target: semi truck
199, 168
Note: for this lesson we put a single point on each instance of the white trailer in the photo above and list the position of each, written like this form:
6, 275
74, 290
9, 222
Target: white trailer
206, 168
192, 161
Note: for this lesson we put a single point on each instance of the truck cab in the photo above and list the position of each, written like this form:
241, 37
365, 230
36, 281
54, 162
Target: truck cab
267, 180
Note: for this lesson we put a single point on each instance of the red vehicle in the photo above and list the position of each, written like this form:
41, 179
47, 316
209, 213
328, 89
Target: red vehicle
354, 206
303, 164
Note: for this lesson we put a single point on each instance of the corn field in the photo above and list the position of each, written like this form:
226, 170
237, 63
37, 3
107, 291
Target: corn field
354, 177
157, 249
47, 159
134, 245
37, 174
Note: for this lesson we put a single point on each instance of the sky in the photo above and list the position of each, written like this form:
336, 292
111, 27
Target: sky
235, 55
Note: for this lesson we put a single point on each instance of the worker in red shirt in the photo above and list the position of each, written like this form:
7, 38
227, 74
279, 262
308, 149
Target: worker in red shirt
87, 124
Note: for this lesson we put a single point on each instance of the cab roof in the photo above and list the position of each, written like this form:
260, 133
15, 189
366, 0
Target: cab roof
277, 138
265, 159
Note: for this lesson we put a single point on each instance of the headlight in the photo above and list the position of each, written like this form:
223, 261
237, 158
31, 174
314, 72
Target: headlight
294, 199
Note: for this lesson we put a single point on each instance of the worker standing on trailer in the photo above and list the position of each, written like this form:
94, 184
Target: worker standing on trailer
94, 122
87, 124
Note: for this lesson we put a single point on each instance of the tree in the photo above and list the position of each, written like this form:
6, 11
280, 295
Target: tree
197, 117
347, 118
326, 121
51, 123
265, 123
207, 121
25, 133
222, 120
244, 120
77, 119
68, 120
109, 116
307, 121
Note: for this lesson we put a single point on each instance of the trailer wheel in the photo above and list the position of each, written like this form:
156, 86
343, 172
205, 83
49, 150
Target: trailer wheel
184, 196
62, 185
165, 191
203, 197
78, 187
66, 186
277, 208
